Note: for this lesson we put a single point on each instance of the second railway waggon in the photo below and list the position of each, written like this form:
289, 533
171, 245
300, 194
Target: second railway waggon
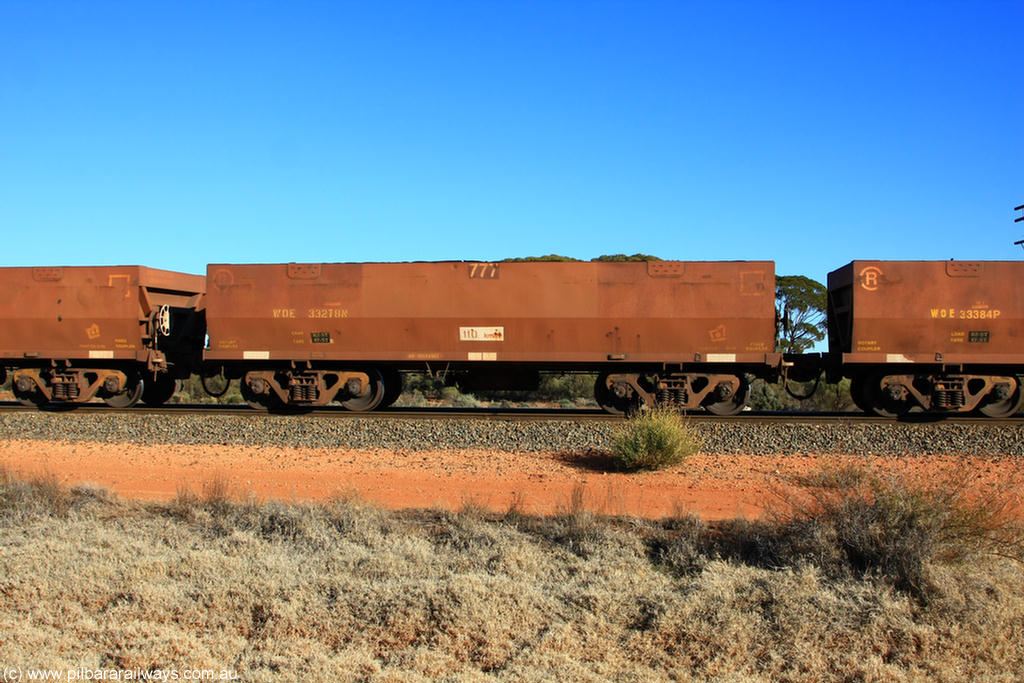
673, 332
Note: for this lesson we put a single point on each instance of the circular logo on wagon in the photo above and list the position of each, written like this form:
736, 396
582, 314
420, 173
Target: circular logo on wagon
869, 277
223, 278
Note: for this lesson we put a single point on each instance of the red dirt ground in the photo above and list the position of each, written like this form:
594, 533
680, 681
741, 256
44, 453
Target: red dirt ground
712, 486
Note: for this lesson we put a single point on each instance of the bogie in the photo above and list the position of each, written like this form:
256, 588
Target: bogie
896, 395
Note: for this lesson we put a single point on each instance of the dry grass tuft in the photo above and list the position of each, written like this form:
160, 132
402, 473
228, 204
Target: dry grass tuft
847, 516
516, 509
474, 506
217, 493
38, 495
185, 503
575, 507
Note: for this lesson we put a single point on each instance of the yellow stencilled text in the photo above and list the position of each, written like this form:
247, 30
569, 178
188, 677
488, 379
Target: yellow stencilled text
327, 313
966, 313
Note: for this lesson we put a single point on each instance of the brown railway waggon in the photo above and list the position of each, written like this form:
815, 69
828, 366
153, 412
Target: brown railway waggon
939, 337
671, 332
122, 333
935, 336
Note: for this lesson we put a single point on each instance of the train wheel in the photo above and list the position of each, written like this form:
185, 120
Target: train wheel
29, 398
130, 396
733, 404
158, 391
857, 387
881, 403
392, 387
373, 398
1005, 407
610, 402
262, 402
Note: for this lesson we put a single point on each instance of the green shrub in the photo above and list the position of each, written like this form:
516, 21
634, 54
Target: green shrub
414, 399
652, 440
465, 401
827, 397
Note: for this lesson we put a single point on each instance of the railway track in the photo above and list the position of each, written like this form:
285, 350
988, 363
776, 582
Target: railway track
517, 414
517, 430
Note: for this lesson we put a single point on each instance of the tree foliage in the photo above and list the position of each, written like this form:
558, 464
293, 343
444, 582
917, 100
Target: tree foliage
617, 258
605, 258
773, 396
800, 305
547, 257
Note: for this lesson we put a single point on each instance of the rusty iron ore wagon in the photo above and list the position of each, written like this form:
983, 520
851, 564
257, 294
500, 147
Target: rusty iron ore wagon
937, 336
929, 336
662, 332
122, 333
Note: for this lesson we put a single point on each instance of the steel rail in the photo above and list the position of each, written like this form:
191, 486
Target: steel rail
514, 414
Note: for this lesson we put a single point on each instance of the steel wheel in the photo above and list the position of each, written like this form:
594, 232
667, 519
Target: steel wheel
158, 391
392, 387
857, 387
606, 398
130, 396
372, 399
262, 402
1004, 408
732, 405
881, 405
29, 398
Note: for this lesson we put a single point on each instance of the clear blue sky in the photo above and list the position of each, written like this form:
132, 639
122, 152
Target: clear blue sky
174, 134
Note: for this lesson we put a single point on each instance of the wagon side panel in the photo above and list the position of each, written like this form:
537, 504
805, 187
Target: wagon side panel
516, 312
950, 312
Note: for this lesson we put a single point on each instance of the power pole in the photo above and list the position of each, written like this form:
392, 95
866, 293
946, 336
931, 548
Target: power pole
1018, 220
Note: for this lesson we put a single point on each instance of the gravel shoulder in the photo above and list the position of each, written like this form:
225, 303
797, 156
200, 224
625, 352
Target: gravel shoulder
440, 433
